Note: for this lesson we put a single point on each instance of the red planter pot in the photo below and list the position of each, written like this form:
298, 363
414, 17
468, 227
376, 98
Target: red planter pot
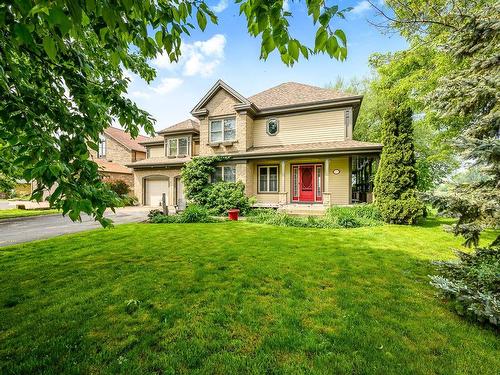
233, 214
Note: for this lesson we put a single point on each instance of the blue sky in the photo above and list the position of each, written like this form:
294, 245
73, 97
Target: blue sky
226, 51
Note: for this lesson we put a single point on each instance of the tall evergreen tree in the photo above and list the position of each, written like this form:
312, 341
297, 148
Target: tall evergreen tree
396, 179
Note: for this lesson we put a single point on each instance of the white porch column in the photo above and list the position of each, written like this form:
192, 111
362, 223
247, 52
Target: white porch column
326, 183
283, 193
171, 195
283, 184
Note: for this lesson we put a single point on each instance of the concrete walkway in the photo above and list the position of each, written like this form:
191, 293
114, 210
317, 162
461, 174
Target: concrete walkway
29, 205
18, 230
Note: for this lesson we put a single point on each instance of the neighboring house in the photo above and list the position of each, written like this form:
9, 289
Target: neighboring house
291, 145
116, 150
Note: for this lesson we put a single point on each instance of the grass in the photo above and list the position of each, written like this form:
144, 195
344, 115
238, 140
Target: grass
235, 297
12, 213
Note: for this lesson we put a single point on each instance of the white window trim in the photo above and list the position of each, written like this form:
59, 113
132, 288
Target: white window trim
102, 141
277, 126
268, 179
222, 119
177, 154
223, 174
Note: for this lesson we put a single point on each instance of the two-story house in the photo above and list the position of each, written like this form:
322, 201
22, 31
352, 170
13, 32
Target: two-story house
291, 145
117, 149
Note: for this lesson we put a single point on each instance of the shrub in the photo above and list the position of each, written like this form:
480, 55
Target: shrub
120, 187
223, 196
195, 214
336, 217
472, 283
192, 214
354, 216
153, 213
196, 177
164, 219
396, 179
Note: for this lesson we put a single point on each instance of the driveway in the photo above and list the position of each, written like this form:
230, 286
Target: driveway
18, 230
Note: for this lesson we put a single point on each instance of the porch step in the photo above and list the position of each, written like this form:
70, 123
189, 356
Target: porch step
303, 209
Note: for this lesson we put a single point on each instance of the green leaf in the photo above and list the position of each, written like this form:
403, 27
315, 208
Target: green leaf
321, 38
305, 51
90, 4
159, 38
332, 46
50, 47
22, 33
293, 49
268, 42
341, 36
75, 11
58, 18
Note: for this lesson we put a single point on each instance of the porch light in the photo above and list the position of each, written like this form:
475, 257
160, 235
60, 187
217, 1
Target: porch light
336, 171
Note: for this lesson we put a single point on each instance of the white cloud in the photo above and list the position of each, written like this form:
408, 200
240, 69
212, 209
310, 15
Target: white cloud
139, 94
286, 5
220, 6
165, 86
361, 7
198, 58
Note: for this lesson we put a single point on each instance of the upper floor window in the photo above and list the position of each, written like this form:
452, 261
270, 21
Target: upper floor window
226, 173
177, 147
102, 147
223, 130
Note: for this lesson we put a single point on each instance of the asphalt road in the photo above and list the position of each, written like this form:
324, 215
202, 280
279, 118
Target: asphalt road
18, 230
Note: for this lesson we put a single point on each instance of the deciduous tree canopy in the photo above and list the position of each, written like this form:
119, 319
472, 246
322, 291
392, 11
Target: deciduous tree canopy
62, 81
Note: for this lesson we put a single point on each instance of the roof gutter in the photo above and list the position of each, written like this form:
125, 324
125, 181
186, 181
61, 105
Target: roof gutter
346, 151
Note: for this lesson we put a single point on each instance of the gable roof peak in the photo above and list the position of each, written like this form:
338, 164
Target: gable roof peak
219, 84
125, 139
189, 126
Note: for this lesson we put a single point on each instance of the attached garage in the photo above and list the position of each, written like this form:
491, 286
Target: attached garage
154, 187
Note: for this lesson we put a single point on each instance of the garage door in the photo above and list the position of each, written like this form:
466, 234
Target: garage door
154, 190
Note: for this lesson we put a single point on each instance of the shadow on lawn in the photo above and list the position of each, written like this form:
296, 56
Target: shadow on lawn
259, 299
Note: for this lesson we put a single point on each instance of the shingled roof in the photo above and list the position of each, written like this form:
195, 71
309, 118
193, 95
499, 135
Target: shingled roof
292, 93
311, 148
110, 167
159, 161
186, 125
125, 139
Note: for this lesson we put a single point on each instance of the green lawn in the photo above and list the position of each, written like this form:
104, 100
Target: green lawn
235, 298
11, 213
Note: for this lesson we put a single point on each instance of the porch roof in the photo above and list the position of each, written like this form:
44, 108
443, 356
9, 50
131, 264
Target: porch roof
347, 147
159, 162
110, 167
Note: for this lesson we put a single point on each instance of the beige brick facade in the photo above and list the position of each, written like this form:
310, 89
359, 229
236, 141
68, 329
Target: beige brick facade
311, 128
169, 174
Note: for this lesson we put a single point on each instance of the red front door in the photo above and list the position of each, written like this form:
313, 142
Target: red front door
306, 183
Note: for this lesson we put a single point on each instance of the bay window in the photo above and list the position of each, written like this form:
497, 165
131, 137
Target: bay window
268, 179
223, 130
178, 147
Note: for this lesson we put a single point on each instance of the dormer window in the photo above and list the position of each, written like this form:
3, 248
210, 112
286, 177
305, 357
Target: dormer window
101, 153
223, 130
178, 147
